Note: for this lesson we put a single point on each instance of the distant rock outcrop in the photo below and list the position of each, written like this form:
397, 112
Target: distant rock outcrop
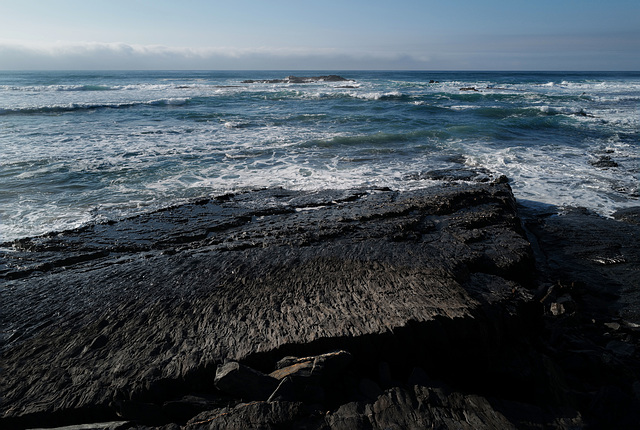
604, 162
298, 80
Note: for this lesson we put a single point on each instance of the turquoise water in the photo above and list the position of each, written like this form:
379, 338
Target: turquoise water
82, 147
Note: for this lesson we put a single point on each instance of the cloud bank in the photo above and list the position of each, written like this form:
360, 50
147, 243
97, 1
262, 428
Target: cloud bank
528, 53
119, 56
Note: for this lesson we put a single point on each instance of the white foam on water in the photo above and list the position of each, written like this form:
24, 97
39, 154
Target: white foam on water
463, 107
564, 177
138, 163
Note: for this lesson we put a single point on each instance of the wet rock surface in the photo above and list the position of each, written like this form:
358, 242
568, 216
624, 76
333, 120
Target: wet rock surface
604, 162
334, 309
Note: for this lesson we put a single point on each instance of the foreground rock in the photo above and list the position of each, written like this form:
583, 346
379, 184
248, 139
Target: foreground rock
590, 293
415, 408
340, 309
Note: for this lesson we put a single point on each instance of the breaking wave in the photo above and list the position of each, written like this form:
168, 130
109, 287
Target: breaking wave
72, 107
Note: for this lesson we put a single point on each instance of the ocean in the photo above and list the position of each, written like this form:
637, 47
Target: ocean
87, 147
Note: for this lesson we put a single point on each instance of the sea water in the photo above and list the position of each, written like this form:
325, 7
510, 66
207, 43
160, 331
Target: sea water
84, 147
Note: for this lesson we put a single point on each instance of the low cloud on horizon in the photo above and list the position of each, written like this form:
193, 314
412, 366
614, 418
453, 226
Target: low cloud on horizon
112, 56
487, 55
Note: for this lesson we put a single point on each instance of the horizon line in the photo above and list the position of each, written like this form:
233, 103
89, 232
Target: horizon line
329, 70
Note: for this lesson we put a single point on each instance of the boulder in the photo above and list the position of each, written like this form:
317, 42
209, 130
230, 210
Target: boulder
244, 382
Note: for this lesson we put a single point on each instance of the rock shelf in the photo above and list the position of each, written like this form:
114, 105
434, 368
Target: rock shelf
446, 307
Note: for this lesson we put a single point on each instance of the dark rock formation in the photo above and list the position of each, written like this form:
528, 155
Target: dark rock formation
589, 279
604, 162
591, 258
413, 408
298, 80
629, 215
583, 113
335, 309
244, 382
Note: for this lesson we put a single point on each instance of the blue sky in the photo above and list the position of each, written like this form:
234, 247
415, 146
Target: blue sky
320, 35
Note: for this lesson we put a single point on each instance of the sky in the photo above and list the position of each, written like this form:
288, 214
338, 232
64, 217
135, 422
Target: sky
320, 35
